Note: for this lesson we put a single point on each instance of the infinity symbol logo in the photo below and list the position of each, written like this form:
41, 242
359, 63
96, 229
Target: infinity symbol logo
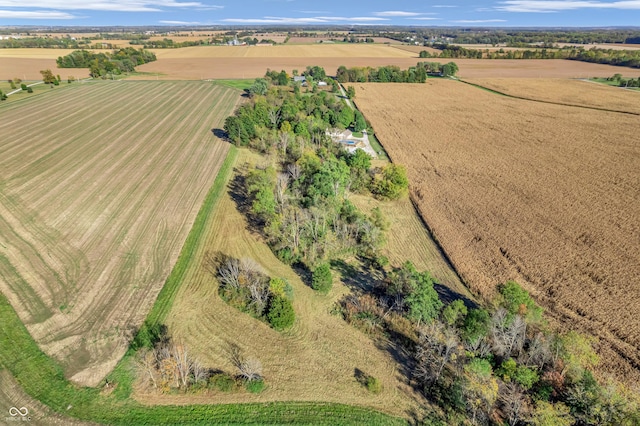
23, 412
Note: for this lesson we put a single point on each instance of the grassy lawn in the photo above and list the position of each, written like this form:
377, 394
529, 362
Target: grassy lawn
377, 146
610, 82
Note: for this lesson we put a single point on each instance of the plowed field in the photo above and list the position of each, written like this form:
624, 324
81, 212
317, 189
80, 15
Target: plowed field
545, 194
99, 186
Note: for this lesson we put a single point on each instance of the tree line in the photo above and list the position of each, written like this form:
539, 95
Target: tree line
627, 58
101, 64
385, 74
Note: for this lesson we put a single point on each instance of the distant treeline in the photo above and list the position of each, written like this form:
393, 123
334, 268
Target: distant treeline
513, 37
167, 43
627, 58
43, 42
101, 64
386, 74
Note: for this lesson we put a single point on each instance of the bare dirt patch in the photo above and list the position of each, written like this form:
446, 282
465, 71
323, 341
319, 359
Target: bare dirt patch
99, 186
544, 194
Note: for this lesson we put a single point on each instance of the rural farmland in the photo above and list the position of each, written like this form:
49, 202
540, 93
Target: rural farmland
99, 186
566, 92
544, 194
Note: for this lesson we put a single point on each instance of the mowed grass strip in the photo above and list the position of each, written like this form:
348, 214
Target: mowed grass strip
98, 194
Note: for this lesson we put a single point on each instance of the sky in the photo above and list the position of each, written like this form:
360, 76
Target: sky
466, 13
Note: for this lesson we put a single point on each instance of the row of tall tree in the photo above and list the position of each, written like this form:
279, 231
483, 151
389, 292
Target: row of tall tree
386, 74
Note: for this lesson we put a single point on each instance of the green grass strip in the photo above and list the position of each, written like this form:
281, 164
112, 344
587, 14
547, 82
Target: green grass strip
240, 84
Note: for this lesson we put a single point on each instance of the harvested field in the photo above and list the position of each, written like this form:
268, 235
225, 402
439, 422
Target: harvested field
35, 53
544, 194
99, 186
284, 51
568, 92
315, 361
194, 68
27, 63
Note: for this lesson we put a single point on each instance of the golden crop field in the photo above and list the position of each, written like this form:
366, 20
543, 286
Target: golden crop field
285, 51
314, 361
33, 53
568, 92
99, 186
544, 194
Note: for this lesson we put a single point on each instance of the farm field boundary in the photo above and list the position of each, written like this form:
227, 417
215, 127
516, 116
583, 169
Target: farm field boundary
493, 90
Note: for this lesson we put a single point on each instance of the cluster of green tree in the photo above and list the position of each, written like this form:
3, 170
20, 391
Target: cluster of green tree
245, 286
102, 64
387, 74
449, 69
498, 366
624, 82
302, 206
42, 42
49, 78
277, 117
167, 43
354, 39
305, 214
3, 96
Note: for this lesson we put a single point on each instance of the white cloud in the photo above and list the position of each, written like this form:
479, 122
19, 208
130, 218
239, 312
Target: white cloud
477, 21
542, 6
104, 5
23, 14
311, 20
425, 18
396, 13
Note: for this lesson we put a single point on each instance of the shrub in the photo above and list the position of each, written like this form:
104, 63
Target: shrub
29, 90
373, 385
322, 280
254, 386
23, 86
222, 382
281, 314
